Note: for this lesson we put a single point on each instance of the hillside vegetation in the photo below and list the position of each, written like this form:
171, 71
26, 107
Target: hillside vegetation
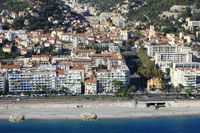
153, 8
13, 5
147, 8
104, 5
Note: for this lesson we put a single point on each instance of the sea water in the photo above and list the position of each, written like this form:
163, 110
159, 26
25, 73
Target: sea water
149, 125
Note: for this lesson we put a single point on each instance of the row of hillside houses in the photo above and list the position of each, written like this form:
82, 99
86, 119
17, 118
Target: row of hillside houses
36, 40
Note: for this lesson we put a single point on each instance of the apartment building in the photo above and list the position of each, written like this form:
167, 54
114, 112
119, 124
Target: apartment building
86, 63
91, 86
32, 81
192, 24
2, 83
188, 77
115, 60
85, 53
100, 59
105, 78
153, 49
104, 81
75, 77
186, 74
40, 60
189, 65
166, 60
60, 80
10, 68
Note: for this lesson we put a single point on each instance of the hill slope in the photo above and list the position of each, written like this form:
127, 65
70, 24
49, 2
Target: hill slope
153, 8
13, 5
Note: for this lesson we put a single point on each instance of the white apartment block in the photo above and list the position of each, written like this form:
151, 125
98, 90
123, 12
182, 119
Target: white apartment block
74, 78
189, 65
186, 74
10, 35
100, 59
60, 80
81, 54
153, 49
173, 57
91, 86
192, 24
105, 78
189, 78
2, 83
166, 60
41, 60
32, 81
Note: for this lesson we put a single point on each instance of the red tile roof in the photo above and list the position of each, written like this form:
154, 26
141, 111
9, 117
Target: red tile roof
10, 66
84, 51
65, 63
41, 56
91, 80
81, 60
60, 72
114, 57
77, 68
103, 71
101, 55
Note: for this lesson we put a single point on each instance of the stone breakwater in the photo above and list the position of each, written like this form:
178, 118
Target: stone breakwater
103, 109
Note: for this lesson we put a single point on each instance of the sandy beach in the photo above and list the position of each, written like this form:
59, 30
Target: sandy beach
103, 109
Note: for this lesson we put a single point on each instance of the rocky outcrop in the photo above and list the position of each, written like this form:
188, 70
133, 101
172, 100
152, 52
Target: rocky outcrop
16, 118
88, 116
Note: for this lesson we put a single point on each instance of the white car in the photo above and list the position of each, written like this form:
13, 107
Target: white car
18, 99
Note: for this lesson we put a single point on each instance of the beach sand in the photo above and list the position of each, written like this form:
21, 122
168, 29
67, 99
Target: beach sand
103, 109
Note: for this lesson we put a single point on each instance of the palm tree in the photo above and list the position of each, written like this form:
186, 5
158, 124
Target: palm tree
188, 92
180, 87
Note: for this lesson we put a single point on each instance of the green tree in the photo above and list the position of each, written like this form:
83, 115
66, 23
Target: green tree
131, 89
163, 89
180, 87
117, 84
188, 92
168, 71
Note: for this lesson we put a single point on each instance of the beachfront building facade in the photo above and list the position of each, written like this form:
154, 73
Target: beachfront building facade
189, 78
2, 83
74, 79
91, 86
60, 80
32, 81
154, 83
187, 74
105, 78
83, 72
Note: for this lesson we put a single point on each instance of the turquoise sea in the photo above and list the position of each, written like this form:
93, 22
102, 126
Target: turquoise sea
150, 125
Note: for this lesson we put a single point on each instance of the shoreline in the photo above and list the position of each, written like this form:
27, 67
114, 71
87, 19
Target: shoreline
103, 109
79, 119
